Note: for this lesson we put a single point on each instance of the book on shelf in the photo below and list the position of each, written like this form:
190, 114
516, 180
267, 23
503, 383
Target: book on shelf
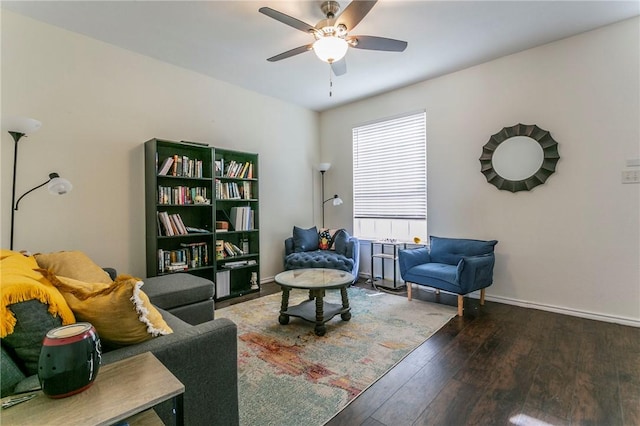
238, 264
223, 284
194, 230
166, 166
242, 218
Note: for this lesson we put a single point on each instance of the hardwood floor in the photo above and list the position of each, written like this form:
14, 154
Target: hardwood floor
506, 365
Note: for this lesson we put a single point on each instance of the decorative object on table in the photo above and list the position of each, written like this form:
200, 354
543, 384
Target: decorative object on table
17, 128
519, 158
254, 280
416, 240
69, 360
323, 167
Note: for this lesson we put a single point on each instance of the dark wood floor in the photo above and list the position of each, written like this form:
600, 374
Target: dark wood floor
507, 365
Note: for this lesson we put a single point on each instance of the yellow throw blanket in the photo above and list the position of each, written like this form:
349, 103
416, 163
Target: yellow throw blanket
20, 282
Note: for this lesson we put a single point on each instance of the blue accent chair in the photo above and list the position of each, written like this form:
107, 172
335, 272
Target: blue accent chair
456, 265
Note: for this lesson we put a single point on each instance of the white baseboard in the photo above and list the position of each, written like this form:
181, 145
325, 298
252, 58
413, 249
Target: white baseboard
562, 310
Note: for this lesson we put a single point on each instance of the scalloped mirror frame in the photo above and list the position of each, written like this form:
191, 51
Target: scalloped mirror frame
549, 148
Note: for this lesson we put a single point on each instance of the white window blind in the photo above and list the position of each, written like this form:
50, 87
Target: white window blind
390, 168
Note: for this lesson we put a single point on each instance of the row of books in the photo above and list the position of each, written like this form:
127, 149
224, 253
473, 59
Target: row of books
172, 224
225, 249
234, 169
242, 218
181, 195
233, 190
190, 255
181, 165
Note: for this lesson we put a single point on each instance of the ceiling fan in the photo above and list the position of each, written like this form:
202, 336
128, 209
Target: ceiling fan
332, 39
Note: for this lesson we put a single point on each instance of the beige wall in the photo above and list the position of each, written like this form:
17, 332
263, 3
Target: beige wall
572, 244
98, 105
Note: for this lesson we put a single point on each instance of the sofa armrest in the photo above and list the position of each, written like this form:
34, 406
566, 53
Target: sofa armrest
353, 252
204, 358
288, 246
475, 272
408, 258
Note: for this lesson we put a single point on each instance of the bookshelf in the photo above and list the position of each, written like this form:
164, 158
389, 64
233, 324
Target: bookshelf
237, 232
185, 197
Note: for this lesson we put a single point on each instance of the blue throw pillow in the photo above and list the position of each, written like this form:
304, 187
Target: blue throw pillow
305, 239
341, 238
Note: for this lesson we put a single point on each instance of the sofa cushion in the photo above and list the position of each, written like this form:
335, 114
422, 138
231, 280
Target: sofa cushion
341, 240
173, 290
9, 372
33, 322
120, 312
439, 271
318, 259
73, 264
451, 250
305, 239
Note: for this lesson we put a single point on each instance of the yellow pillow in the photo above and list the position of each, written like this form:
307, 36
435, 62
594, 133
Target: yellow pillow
73, 264
120, 312
19, 282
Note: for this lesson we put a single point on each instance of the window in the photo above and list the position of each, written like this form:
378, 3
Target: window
390, 178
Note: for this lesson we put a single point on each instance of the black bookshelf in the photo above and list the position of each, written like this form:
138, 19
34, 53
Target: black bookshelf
183, 202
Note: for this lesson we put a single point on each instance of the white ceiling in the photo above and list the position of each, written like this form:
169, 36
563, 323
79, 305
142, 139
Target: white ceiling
230, 40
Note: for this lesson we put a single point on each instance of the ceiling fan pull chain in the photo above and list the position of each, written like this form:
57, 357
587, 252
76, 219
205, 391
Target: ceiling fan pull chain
330, 82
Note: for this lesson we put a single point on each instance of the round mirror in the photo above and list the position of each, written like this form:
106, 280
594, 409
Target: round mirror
519, 158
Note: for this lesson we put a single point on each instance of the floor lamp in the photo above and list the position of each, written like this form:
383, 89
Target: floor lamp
19, 127
323, 167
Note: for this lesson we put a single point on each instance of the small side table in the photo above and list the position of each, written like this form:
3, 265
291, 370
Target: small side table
121, 390
392, 255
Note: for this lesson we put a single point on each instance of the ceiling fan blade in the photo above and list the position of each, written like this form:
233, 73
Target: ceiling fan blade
339, 67
286, 19
377, 43
290, 53
354, 12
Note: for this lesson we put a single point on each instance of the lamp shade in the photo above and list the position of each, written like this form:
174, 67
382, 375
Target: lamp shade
59, 186
337, 201
330, 49
323, 167
22, 125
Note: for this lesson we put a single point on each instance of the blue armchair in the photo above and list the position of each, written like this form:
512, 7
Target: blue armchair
455, 265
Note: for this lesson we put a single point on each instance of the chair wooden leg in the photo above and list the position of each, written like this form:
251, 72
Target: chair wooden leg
409, 291
460, 304
482, 296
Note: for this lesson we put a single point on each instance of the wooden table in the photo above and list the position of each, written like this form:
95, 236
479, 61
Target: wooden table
315, 310
121, 390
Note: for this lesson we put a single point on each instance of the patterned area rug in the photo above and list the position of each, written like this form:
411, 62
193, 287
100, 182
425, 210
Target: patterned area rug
289, 376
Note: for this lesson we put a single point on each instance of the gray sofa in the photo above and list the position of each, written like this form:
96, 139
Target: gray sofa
302, 250
202, 356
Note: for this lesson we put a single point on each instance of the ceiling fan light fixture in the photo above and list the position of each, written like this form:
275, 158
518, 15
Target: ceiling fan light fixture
330, 48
